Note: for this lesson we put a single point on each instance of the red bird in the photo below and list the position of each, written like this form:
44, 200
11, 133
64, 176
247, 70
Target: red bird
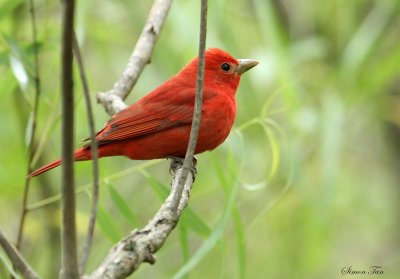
158, 125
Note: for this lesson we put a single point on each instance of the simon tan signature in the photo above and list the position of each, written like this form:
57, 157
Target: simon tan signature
372, 270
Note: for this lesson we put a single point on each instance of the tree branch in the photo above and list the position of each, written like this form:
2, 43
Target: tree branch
17, 259
140, 245
188, 162
69, 268
32, 122
94, 153
112, 100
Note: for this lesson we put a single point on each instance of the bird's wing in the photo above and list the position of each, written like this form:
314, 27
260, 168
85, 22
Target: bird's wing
144, 118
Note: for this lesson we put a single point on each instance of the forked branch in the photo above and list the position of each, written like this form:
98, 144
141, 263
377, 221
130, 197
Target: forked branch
112, 100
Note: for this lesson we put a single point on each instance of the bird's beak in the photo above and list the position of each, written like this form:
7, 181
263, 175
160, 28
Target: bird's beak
245, 65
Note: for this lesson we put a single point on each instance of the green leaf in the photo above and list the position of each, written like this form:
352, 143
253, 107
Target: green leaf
275, 156
189, 217
213, 239
235, 212
31, 48
19, 71
8, 266
4, 57
363, 41
218, 170
20, 54
123, 206
241, 243
195, 223
8, 82
161, 190
183, 240
7, 7
383, 72
108, 226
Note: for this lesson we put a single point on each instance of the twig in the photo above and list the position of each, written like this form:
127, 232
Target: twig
188, 162
83, 188
69, 269
140, 245
33, 123
17, 259
112, 100
94, 153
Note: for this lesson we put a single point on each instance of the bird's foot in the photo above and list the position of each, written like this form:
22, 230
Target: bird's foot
177, 162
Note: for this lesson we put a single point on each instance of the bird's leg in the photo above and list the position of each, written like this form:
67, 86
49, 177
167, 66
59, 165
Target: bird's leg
177, 162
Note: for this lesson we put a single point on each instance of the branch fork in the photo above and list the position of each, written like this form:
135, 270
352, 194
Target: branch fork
112, 100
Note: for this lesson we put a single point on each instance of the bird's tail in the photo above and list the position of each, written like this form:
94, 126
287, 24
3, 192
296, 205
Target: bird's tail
45, 168
80, 154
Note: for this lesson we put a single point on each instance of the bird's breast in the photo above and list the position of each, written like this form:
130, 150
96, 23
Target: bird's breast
218, 116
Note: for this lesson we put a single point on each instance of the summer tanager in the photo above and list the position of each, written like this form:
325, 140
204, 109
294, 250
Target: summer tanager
158, 125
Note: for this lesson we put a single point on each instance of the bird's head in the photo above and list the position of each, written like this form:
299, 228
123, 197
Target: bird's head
221, 69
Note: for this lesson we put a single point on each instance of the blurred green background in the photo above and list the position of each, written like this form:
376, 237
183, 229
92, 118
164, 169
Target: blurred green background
306, 184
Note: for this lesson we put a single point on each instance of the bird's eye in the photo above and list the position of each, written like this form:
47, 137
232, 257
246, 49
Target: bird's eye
225, 67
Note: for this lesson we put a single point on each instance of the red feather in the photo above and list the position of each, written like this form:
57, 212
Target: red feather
158, 125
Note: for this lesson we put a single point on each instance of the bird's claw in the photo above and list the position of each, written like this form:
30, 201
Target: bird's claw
177, 162
174, 164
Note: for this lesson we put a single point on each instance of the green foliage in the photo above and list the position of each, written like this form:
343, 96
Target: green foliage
107, 225
123, 207
5, 262
189, 218
305, 185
